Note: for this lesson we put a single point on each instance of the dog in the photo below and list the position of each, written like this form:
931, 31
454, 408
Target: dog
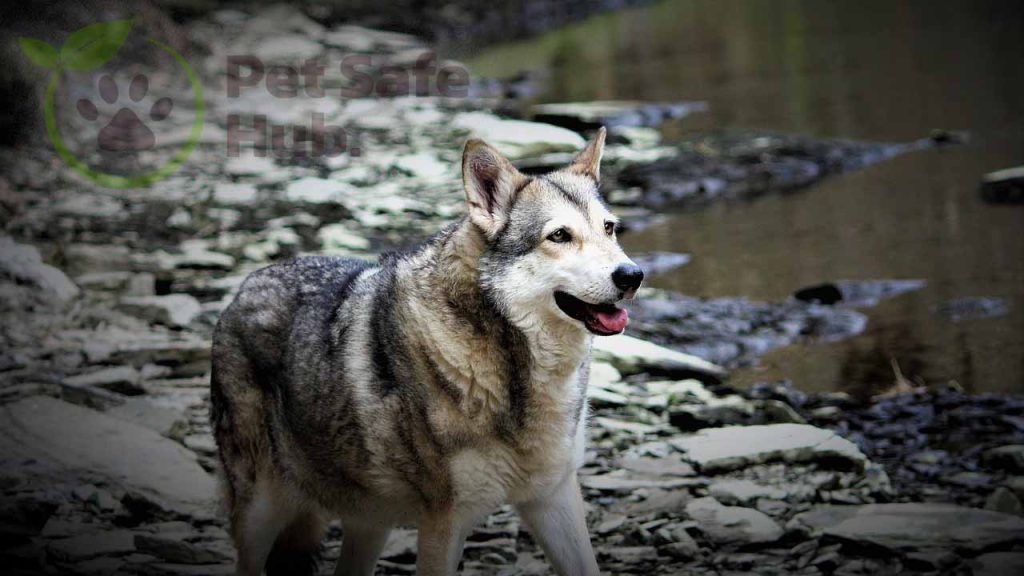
428, 388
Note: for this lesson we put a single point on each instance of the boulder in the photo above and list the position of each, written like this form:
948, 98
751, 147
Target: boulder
913, 526
66, 437
722, 449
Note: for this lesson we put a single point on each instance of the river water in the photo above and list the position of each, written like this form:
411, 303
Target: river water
871, 70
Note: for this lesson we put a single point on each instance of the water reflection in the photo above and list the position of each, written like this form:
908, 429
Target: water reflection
869, 70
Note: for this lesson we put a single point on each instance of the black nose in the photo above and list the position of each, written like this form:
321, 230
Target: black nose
628, 277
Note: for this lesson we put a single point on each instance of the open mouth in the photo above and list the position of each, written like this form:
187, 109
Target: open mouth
600, 319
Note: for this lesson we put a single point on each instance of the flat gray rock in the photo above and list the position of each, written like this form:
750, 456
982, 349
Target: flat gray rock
632, 355
915, 526
721, 449
70, 438
998, 564
23, 263
732, 524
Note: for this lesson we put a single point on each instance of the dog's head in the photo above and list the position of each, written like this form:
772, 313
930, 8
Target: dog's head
552, 254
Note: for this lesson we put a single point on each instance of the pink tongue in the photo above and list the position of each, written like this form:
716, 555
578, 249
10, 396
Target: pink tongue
610, 321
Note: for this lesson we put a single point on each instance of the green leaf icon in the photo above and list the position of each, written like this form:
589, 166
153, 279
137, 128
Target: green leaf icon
40, 52
92, 46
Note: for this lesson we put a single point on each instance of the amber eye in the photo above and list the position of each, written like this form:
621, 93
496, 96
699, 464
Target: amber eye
609, 228
561, 235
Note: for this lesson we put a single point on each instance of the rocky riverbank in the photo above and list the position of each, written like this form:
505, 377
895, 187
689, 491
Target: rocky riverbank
109, 298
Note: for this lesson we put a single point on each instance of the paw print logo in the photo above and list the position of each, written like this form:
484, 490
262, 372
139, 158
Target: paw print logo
125, 132
91, 48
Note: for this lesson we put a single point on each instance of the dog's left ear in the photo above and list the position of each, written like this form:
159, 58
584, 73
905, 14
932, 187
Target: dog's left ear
490, 181
588, 162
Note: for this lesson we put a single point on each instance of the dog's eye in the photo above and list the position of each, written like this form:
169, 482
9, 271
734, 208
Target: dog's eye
561, 235
609, 228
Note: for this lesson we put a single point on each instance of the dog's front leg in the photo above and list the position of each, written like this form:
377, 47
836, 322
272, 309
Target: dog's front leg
442, 535
558, 522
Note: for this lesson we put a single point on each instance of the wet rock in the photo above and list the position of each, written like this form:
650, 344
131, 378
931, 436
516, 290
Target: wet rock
746, 164
287, 49
914, 525
998, 564
632, 355
23, 264
1004, 186
959, 309
669, 465
24, 517
735, 330
680, 545
743, 492
584, 116
249, 165
725, 525
93, 544
821, 294
516, 138
724, 411
234, 194
196, 255
619, 482
90, 396
174, 548
120, 379
341, 237
165, 419
1004, 500
175, 310
1009, 458
660, 262
721, 449
65, 437
629, 555
312, 190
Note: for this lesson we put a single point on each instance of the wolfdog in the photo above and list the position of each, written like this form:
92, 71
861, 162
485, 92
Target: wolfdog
428, 388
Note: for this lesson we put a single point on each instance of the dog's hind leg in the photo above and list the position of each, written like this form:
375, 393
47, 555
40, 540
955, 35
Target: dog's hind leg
361, 545
264, 517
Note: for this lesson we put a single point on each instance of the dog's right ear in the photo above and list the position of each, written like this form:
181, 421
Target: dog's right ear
490, 181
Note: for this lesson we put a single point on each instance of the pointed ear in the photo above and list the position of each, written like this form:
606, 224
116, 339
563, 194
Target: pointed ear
588, 162
490, 181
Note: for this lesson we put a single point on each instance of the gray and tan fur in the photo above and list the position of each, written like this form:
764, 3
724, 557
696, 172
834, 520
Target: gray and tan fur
428, 388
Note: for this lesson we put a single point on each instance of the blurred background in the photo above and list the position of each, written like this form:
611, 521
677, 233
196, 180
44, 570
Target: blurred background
828, 198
